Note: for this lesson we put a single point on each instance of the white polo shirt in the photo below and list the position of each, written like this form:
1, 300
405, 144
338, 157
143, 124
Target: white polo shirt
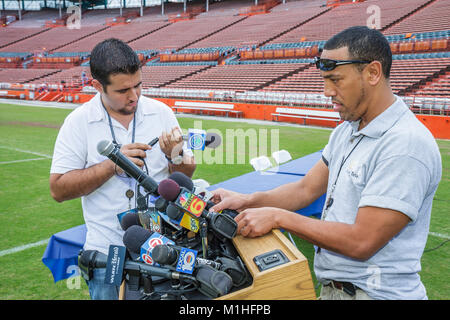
397, 165
76, 148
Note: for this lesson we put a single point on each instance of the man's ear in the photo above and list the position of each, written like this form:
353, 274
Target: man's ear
97, 85
374, 72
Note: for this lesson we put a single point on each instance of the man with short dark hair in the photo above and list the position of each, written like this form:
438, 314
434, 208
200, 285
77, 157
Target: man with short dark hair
119, 113
380, 170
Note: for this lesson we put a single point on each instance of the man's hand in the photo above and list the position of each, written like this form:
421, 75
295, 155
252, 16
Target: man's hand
171, 143
226, 199
255, 222
135, 152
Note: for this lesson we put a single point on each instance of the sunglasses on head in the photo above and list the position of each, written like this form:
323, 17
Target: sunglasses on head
329, 64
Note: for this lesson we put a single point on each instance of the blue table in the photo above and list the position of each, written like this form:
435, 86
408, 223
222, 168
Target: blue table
288, 172
62, 250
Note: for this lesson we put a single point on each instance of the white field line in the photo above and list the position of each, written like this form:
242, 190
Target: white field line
24, 247
439, 235
24, 160
27, 151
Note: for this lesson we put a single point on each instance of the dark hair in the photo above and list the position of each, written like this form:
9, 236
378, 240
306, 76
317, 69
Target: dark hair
364, 44
112, 56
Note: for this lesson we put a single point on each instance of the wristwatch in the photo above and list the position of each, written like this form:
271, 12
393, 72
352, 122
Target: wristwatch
176, 160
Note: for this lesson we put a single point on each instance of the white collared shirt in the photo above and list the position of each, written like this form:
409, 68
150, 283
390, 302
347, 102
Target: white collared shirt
76, 148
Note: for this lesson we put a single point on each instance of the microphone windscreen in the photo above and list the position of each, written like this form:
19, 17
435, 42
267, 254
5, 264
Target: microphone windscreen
169, 189
130, 219
213, 283
164, 254
161, 204
173, 212
182, 180
135, 237
105, 147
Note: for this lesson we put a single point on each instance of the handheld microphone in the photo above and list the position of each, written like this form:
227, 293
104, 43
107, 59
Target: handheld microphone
112, 151
184, 259
185, 200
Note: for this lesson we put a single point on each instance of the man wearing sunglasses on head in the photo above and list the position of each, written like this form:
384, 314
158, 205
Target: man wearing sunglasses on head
380, 170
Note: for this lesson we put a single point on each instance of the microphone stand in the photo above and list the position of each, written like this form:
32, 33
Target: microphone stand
204, 235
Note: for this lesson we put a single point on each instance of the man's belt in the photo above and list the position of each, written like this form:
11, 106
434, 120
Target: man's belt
347, 287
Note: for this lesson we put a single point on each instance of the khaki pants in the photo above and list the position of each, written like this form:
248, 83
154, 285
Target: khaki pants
331, 293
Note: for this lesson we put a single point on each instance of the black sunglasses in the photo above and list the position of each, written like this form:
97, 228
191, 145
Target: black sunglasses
328, 64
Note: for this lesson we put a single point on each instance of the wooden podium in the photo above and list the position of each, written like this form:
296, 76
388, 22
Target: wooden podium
289, 281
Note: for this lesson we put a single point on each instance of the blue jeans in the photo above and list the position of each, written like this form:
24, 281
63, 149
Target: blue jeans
98, 290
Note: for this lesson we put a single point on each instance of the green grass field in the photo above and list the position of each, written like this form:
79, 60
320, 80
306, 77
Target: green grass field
28, 214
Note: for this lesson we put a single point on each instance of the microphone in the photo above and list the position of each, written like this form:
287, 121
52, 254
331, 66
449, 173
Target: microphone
184, 259
182, 219
213, 283
182, 180
161, 204
212, 140
185, 200
110, 150
134, 237
199, 190
130, 219
139, 240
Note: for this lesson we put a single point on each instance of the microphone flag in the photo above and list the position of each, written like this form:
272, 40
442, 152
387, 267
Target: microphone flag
186, 260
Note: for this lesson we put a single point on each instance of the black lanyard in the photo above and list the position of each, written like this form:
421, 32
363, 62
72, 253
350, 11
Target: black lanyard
333, 186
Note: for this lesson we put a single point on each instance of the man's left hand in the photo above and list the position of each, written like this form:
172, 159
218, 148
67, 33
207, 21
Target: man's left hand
171, 143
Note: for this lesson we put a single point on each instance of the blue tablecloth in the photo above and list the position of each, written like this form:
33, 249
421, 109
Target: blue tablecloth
288, 172
62, 251
63, 247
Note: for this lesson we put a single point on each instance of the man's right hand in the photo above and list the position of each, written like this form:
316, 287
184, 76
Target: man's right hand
227, 199
135, 152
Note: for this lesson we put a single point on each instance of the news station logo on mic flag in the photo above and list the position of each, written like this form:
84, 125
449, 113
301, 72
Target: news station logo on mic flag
186, 260
196, 139
191, 203
146, 249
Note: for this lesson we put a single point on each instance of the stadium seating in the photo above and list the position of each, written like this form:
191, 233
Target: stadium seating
236, 77
337, 19
223, 54
25, 75
430, 18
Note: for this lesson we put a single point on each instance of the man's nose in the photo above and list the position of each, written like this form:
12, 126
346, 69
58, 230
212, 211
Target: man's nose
328, 90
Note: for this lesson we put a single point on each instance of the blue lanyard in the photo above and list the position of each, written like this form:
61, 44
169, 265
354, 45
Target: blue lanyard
112, 129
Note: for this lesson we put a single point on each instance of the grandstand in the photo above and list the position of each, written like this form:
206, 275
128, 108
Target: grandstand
258, 52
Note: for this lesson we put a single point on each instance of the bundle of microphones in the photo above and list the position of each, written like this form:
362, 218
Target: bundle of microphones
178, 241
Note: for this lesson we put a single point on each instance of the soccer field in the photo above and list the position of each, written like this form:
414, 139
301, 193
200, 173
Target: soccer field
29, 216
